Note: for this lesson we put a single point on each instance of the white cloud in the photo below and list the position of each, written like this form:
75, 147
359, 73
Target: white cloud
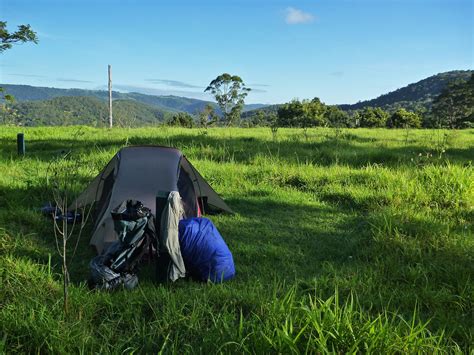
173, 83
295, 16
73, 80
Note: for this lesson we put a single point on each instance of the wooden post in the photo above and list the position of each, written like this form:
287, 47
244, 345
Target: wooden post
110, 97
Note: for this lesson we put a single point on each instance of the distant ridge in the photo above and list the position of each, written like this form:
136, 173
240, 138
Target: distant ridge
83, 110
169, 103
53, 106
416, 96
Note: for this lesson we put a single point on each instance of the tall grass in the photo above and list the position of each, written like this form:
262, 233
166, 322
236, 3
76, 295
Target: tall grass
352, 241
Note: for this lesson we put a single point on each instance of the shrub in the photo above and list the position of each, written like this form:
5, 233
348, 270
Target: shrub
181, 119
404, 119
372, 117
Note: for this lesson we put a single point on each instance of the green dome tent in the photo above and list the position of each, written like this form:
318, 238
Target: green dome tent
140, 173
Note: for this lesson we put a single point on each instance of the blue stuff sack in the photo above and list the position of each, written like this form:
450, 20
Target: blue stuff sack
205, 254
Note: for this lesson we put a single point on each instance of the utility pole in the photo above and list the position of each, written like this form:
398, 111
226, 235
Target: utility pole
110, 97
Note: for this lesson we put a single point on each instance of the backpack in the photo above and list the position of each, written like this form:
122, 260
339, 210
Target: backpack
118, 264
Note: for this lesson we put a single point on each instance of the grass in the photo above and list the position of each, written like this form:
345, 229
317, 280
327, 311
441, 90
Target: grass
352, 241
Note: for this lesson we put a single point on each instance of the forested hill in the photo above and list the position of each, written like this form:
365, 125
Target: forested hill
416, 96
81, 110
170, 103
44, 106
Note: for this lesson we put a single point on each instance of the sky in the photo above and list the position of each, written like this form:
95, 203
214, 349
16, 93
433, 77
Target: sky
341, 51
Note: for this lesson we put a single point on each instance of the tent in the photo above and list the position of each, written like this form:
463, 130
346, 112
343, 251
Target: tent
141, 173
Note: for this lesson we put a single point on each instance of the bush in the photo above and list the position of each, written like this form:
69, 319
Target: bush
372, 117
403, 119
302, 114
181, 119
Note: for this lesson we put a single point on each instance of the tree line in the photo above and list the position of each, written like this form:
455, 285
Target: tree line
453, 108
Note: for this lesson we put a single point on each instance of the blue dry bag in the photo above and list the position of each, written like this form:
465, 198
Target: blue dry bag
205, 254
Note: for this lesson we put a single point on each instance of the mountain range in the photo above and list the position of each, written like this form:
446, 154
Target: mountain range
418, 96
53, 106
166, 103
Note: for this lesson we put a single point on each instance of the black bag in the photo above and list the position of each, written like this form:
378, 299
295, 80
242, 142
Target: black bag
118, 264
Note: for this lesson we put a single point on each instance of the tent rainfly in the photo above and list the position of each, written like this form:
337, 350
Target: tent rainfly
140, 173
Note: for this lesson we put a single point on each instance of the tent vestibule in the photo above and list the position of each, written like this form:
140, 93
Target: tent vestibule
140, 173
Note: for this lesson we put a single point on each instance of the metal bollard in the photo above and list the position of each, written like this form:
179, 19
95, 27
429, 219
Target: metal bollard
20, 143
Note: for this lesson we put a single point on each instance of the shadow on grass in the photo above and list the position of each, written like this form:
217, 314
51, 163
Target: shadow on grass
265, 235
290, 240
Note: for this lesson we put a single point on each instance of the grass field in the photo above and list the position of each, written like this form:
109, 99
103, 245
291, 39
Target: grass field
344, 241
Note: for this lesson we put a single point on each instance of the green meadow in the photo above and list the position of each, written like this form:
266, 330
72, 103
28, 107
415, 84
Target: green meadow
353, 240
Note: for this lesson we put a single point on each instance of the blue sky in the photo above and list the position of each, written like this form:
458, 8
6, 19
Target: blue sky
341, 51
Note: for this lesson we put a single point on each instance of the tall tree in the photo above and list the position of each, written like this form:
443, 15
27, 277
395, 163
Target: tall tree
230, 92
7, 39
22, 35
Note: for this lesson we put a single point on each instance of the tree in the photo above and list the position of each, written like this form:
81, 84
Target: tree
313, 113
302, 114
258, 119
404, 119
207, 116
7, 39
23, 35
336, 117
454, 107
63, 179
289, 114
181, 119
372, 117
229, 92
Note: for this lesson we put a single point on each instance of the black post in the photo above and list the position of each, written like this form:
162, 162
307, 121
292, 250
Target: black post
20, 143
